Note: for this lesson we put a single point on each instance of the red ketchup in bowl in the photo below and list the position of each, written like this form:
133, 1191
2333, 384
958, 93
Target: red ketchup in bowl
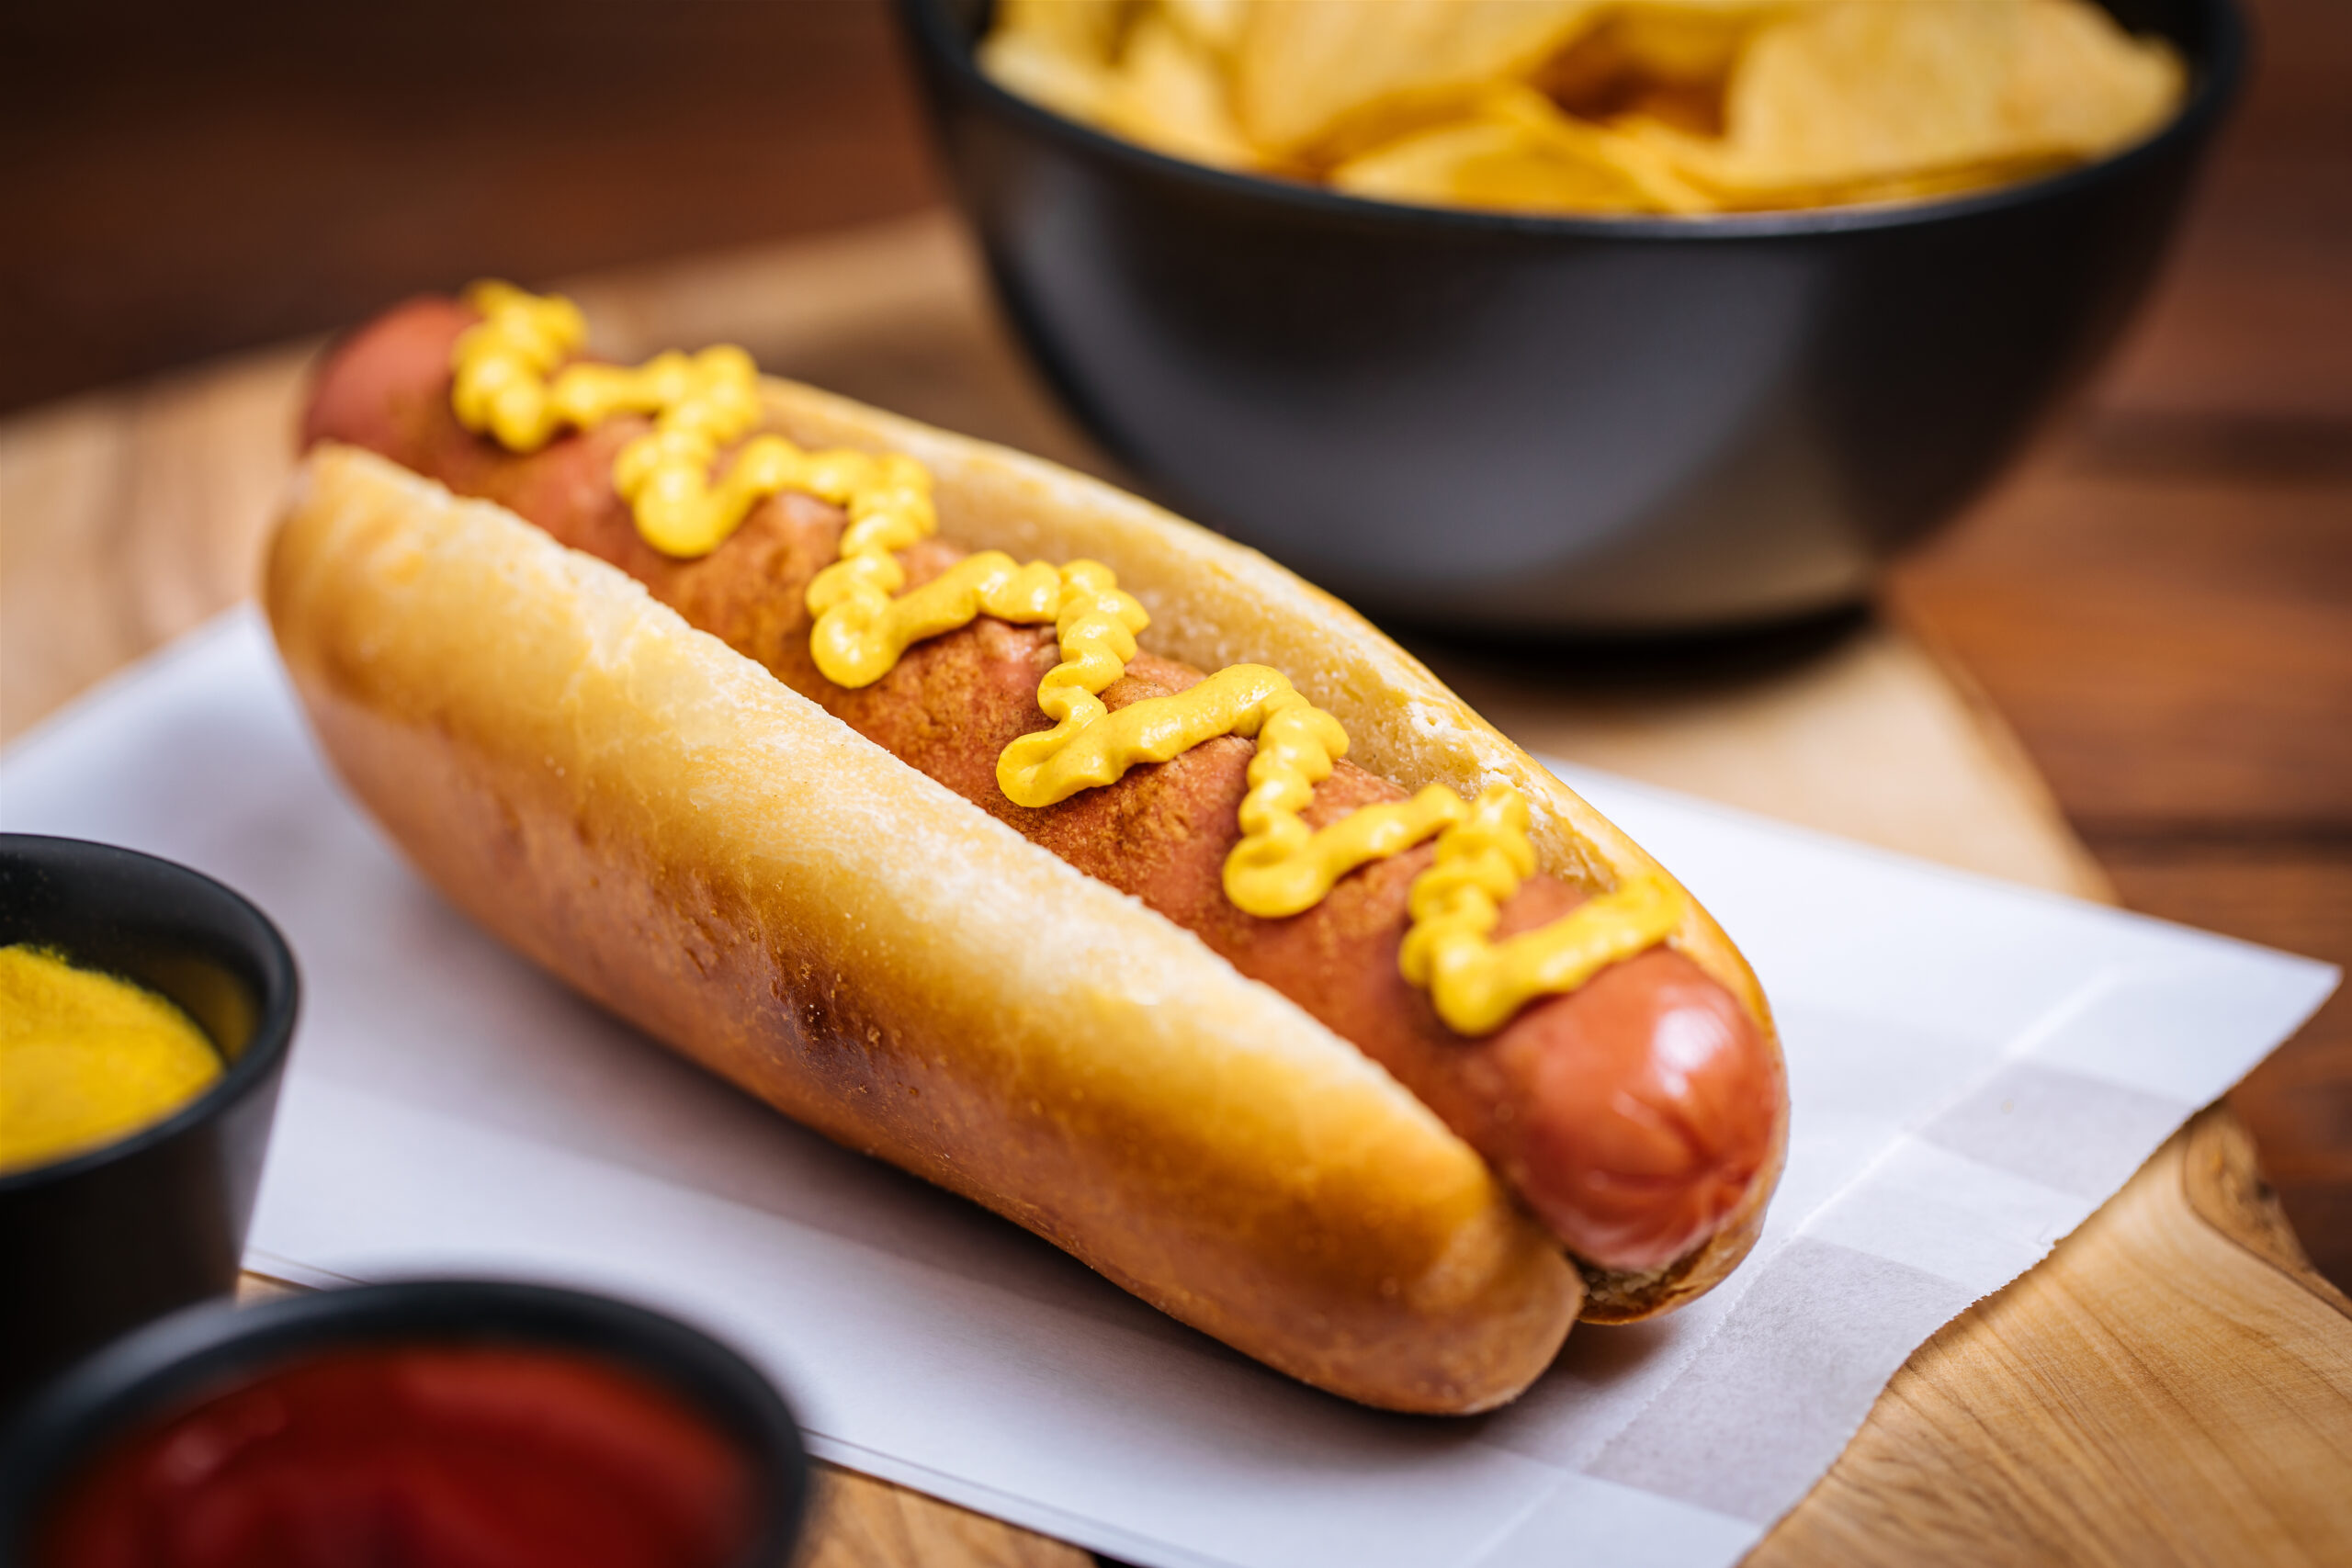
415, 1457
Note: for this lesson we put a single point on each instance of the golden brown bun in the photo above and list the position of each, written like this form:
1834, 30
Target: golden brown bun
660, 822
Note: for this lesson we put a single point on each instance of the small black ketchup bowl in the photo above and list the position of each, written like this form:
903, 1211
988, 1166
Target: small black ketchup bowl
497, 1341
97, 1243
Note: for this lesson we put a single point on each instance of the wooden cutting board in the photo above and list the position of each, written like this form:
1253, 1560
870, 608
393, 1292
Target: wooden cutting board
2174, 1384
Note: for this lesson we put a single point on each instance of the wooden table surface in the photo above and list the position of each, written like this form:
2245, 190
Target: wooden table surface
2159, 602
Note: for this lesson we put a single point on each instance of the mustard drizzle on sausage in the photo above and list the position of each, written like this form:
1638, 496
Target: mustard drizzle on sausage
513, 384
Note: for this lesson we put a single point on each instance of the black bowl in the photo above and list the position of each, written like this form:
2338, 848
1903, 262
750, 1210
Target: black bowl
205, 1351
1499, 423
100, 1242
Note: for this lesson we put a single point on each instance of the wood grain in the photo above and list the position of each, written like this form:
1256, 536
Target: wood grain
2172, 1384
2140, 1397
2224, 1182
2170, 675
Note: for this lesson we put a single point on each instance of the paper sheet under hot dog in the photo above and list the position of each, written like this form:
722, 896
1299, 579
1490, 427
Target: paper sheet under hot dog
1974, 1068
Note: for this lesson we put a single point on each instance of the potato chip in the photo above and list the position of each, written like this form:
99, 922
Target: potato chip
1169, 95
1665, 59
1601, 106
1214, 25
2084, 85
1481, 164
1688, 40
1085, 30
1157, 83
1392, 120
1864, 90
1859, 92
1304, 66
1036, 67
1520, 153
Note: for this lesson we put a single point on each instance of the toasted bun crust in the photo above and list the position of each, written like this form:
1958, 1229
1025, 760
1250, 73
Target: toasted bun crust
660, 822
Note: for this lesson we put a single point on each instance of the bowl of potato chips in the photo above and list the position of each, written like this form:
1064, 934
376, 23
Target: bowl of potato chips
1585, 316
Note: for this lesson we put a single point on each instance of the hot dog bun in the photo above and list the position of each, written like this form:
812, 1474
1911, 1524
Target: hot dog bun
539, 735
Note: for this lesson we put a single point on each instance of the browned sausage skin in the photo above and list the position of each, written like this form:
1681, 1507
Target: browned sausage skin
1632, 1116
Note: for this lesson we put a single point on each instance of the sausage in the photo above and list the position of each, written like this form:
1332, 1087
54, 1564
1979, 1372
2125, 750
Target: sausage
1631, 1116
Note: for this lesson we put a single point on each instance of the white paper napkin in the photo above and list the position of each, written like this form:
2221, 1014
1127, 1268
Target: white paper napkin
1975, 1067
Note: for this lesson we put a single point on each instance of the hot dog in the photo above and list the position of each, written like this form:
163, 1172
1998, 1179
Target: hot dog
1637, 1115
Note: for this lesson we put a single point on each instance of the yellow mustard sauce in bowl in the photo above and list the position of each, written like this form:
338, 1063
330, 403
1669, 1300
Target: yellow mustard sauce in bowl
86, 1058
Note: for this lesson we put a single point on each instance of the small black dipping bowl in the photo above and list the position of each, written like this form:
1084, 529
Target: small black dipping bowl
1528, 424
208, 1349
97, 1243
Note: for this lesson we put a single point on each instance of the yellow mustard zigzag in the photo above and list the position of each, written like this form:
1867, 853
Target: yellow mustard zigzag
699, 403
1476, 983
863, 623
